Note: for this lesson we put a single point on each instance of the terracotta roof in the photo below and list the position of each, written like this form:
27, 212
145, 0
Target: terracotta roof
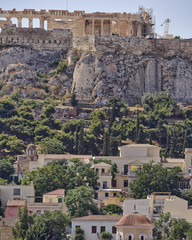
134, 219
18, 203
98, 218
56, 192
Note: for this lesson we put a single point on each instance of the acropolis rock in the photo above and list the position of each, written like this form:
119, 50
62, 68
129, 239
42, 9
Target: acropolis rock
105, 59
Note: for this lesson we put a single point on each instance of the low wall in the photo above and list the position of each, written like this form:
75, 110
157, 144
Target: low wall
37, 38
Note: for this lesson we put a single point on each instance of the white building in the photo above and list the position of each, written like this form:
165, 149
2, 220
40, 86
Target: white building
94, 225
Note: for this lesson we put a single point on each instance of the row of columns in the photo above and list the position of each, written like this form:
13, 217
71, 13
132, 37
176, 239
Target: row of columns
102, 26
30, 22
130, 27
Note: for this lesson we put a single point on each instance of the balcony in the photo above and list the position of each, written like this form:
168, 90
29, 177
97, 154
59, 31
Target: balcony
132, 173
103, 174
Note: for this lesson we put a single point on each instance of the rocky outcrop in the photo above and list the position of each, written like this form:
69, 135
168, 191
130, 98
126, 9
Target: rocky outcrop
113, 67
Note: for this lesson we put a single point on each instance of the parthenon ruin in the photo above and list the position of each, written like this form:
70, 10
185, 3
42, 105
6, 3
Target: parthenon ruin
81, 23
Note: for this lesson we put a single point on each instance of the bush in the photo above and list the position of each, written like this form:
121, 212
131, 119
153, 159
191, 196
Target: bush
106, 235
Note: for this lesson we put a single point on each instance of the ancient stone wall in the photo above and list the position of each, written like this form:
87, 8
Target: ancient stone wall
136, 46
37, 38
81, 23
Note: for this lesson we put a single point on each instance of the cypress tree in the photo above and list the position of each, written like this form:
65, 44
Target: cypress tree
76, 139
167, 151
81, 149
137, 128
106, 144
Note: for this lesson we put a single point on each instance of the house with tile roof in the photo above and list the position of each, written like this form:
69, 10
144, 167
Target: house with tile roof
94, 225
134, 226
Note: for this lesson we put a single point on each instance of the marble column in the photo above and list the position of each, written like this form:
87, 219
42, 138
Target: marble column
42, 23
110, 27
118, 27
102, 32
30, 23
19, 22
93, 26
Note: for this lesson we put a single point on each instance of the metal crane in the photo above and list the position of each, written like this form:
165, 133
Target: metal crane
166, 22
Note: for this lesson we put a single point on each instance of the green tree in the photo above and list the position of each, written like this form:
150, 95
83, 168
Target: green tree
48, 226
47, 178
81, 148
73, 99
154, 178
105, 235
24, 222
58, 174
80, 202
113, 209
176, 229
6, 169
79, 234
106, 144
51, 146
7, 109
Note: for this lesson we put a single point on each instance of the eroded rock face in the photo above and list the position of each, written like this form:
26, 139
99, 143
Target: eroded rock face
128, 77
105, 72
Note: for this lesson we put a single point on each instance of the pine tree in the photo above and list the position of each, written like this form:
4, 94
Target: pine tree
106, 144
76, 139
167, 151
81, 149
137, 128
73, 99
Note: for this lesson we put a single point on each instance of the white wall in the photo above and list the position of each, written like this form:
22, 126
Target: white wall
6, 193
87, 227
142, 206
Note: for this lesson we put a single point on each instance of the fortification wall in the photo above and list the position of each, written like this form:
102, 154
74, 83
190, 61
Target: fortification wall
137, 46
37, 38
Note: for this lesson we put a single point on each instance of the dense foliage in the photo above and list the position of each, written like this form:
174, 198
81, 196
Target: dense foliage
58, 174
166, 228
154, 178
79, 202
48, 226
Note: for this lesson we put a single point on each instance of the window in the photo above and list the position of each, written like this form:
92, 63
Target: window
142, 238
102, 229
106, 194
125, 169
94, 229
16, 192
104, 184
130, 238
102, 170
114, 194
38, 212
114, 183
96, 195
125, 183
59, 200
97, 170
114, 230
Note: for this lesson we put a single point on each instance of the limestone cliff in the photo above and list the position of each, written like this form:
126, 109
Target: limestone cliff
102, 67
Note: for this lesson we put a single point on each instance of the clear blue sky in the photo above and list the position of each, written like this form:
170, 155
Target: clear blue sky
179, 11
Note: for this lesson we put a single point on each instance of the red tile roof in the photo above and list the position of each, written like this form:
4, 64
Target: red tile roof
98, 218
56, 192
134, 219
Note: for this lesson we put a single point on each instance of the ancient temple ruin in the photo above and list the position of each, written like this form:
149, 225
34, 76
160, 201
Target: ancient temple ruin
81, 23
